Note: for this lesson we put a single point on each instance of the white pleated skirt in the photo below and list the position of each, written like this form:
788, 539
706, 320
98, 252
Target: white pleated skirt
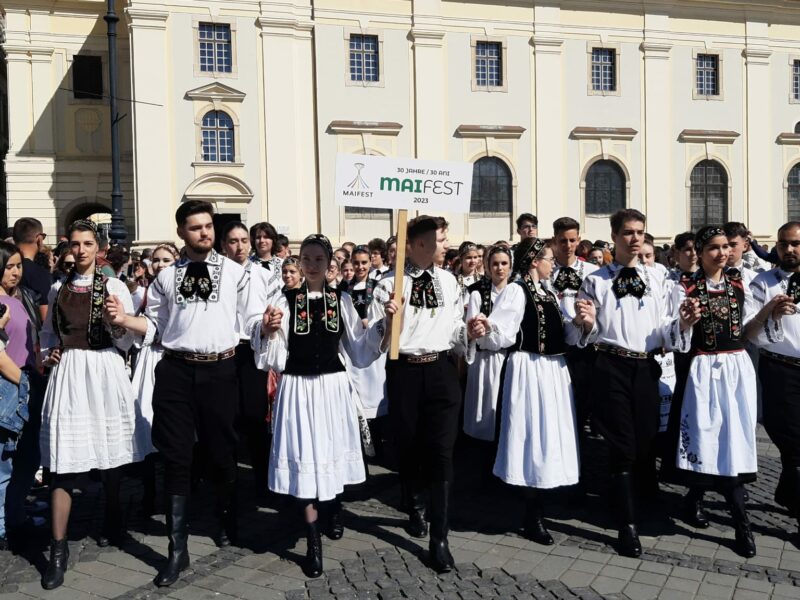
718, 416
538, 444
89, 414
144, 379
316, 446
483, 389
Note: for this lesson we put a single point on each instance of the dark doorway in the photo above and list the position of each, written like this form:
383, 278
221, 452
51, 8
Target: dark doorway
220, 220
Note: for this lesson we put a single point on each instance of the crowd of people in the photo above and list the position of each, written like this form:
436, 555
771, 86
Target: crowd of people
111, 358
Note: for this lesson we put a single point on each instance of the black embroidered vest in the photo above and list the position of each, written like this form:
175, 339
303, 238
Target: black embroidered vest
362, 298
541, 330
720, 326
313, 340
484, 287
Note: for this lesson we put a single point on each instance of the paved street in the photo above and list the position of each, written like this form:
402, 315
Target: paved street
377, 560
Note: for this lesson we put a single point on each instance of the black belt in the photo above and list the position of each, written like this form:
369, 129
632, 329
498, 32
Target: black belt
422, 359
789, 360
623, 352
199, 357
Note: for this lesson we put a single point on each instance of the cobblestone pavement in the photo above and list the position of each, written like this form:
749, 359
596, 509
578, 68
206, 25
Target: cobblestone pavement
377, 560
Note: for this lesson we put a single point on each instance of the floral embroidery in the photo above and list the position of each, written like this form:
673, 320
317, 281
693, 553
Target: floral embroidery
97, 335
629, 282
195, 282
302, 313
301, 320
718, 313
539, 300
567, 279
686, 441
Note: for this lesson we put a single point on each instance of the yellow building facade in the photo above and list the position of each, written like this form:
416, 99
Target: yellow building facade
686, 110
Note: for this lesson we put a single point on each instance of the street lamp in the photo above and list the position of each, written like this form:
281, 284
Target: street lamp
118, 233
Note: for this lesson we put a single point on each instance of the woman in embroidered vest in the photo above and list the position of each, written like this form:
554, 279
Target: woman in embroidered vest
717, 444
483, 373
89, 413
467, 272
144, 378
538, 443
316, 445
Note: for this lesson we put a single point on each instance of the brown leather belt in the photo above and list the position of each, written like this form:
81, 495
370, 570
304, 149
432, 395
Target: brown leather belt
198, 357
623, 352
789, 360
421, 359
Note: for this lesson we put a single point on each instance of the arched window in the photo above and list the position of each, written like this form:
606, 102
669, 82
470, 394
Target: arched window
605, 188
709, 194
793, 194
217, 132
491, 187
797, 127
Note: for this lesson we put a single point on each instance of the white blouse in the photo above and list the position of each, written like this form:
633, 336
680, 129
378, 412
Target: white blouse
566, 298
781, 336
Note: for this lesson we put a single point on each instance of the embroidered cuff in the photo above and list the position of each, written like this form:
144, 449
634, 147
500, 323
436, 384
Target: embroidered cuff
773, 330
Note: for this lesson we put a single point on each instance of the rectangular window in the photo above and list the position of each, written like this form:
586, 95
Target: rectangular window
604, 70
707, 75
796, 79
216, 51
364, 64
87, 77
489, 64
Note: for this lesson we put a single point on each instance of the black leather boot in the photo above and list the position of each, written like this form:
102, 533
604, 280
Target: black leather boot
534, 523
312, 567
59, 557
112, 532
414, 504
178, 528
335, 527
694, 513
745, 543
629, 544
227, 515
440, 557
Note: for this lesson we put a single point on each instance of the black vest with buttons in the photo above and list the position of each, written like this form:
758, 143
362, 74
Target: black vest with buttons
540, 338
315, 352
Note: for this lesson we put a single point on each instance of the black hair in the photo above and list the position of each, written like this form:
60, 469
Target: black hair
527, 217
736, 229
25, 230
788, 227
192, 207
682, 238
622, 216
7, 250
230, 227
83, 225
565, 224
419, 226
265, 228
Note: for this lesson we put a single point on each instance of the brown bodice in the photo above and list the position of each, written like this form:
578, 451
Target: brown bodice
73, 323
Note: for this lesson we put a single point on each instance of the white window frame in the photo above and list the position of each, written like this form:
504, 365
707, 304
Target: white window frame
720, 95
231, 22
590, 47
793, 58
503, 63
348, 31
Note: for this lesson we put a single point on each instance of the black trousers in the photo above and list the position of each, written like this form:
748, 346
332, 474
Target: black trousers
781, 385
580, 362
424, 406
251, 424
626, 408
199, 402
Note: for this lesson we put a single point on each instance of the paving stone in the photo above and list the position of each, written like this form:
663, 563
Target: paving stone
608, 585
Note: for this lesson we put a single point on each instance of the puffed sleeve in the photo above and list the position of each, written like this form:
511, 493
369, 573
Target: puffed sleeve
473, 310
458, 339
675, 340
123, 338
48, 338
271, 352
506, 318
771, 332
355, 341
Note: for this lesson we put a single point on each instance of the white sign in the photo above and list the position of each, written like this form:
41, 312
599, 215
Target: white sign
384, 182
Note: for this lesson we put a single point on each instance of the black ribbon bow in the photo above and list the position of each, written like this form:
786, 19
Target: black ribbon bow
733, 272
793, 290
423, 294
567, 279
196, 281
628, 282
267, 264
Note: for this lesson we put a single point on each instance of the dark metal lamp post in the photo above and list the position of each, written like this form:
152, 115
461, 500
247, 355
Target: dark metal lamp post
118, 233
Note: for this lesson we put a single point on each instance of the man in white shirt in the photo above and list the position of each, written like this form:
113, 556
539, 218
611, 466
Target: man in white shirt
779, 364
422, 385
567, 276
738, 237
633, 323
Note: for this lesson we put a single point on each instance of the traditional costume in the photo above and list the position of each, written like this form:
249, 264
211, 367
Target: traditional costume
369, 383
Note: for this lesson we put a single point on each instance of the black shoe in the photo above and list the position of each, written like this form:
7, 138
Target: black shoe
629, 544
440, 557
112, 533
335, 527
414, 504
417, 525
312, 567
59, 557
745, 543
178, 527
694, 512
227, 526
534, 527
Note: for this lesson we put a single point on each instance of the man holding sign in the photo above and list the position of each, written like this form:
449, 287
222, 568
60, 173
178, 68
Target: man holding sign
422, 383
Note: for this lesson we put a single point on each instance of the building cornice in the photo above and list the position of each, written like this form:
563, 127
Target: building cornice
146, 19
701, 136
493, 131
215, 91
358, 127
600, 133
285, 27
788, 139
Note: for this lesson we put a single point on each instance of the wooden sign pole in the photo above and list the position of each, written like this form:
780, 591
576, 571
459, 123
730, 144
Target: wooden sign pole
399, 273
